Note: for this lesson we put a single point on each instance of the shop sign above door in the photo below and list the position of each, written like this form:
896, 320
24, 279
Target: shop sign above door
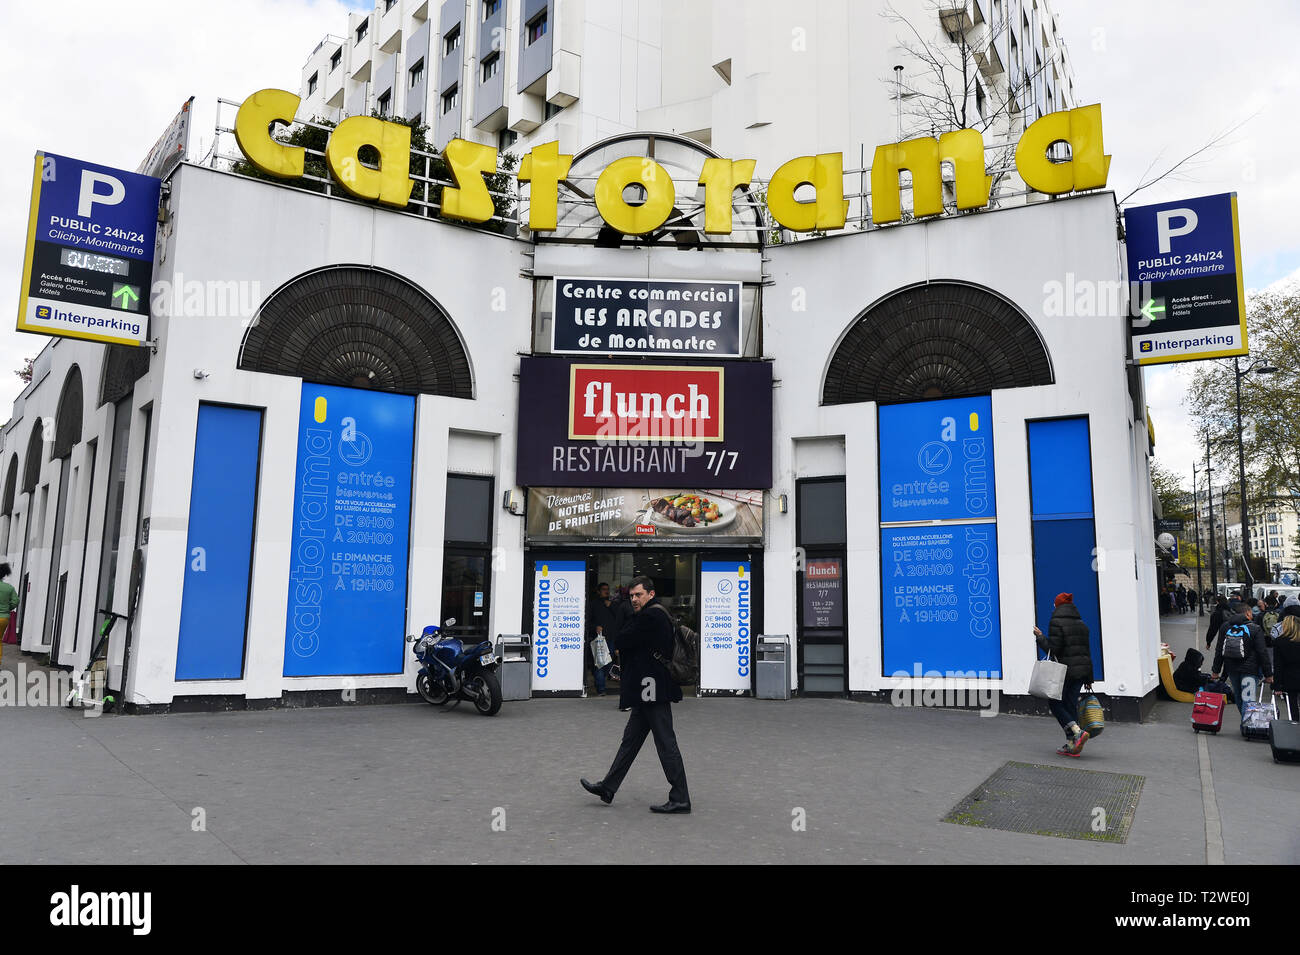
646, 317
615, 425
544, 167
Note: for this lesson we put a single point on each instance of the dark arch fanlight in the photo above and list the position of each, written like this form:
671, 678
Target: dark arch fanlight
32, 463
124, 365
67, 420
358, 327
939, 340
11, 487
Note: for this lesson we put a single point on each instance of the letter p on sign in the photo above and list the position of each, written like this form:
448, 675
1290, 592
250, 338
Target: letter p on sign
1165, 231
88, 196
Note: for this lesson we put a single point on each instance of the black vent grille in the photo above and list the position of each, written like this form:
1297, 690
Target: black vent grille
942, 340
360, 328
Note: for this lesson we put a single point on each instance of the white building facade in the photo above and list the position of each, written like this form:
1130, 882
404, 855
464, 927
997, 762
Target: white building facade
903, 452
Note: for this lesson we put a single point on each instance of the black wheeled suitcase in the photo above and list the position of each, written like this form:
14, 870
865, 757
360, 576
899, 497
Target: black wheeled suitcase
1284, 735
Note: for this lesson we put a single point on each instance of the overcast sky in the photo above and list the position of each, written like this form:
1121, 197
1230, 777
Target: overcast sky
100, 82
1170, 76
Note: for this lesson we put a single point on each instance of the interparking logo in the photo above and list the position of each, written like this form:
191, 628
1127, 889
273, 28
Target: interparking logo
42, 311
1144, 346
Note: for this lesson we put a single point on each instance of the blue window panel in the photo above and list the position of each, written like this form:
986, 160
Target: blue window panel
1063, 563
940, 593
936, 460
351, 533
1060, 468
219, 550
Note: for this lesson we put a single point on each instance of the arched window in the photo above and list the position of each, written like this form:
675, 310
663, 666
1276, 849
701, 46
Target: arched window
11, 487
359, 327
32, 463
124, 365
67, 420
938, 340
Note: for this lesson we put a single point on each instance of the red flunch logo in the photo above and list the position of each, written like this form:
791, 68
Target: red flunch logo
645, 403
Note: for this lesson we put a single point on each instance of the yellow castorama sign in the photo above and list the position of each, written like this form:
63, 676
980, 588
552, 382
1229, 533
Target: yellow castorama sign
545, 168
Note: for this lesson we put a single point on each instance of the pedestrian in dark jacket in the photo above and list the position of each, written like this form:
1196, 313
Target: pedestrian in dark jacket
645, 644
600, 622
1068, 642
1253, 660
1286, 665
1216, 619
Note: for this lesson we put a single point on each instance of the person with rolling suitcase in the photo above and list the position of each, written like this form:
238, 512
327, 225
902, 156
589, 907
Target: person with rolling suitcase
1284, 731
1241, 655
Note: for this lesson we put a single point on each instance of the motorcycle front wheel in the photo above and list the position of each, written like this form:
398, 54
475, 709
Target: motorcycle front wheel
433, 693
488, 699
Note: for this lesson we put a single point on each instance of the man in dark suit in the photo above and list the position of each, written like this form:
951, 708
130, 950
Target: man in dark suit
649, 691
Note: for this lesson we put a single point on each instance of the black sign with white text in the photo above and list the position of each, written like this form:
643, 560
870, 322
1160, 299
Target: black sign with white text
646, 317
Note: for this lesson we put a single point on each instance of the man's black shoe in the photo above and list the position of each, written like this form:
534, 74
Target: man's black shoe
682, 807
598, 789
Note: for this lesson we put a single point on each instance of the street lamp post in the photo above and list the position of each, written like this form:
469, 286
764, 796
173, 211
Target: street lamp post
1264, 368
1196, 523
1209, 484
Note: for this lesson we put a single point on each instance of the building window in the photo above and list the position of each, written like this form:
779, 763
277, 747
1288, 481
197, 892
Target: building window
386, 103
490, 8
361, 30
451, 41
537, 28
491, 66
417, 73
505, 139
551, 110
389, 4
450, 100
311, 83
336, 59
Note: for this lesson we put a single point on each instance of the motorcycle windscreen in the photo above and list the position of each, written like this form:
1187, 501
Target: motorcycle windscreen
351, 533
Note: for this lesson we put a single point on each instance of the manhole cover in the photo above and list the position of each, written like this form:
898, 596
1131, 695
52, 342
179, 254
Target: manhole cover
1053, 801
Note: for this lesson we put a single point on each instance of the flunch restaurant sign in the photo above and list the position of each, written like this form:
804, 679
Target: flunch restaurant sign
620, 425
544, 167
646, 402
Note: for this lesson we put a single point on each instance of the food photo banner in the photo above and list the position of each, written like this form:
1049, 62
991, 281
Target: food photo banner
657, 425
646, 317
673, 513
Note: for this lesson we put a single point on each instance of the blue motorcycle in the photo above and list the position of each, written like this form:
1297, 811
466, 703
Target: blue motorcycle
451, 671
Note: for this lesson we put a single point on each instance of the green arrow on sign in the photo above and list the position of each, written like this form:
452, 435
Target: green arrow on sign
1149, 310
124, 293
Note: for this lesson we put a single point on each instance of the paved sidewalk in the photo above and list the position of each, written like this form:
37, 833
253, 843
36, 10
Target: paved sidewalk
377, 784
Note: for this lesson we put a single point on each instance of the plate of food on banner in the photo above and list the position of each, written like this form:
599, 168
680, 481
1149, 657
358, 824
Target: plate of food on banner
688, 512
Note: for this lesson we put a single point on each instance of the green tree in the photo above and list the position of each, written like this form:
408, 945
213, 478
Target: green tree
425, 162
1175, 502
1270, 404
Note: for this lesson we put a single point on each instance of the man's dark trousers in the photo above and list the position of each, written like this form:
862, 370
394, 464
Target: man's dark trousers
656, 718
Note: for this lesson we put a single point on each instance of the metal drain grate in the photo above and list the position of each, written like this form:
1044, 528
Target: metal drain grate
1053, 801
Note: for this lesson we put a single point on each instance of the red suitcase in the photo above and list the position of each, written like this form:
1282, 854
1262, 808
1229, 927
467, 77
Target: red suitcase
1207, 712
